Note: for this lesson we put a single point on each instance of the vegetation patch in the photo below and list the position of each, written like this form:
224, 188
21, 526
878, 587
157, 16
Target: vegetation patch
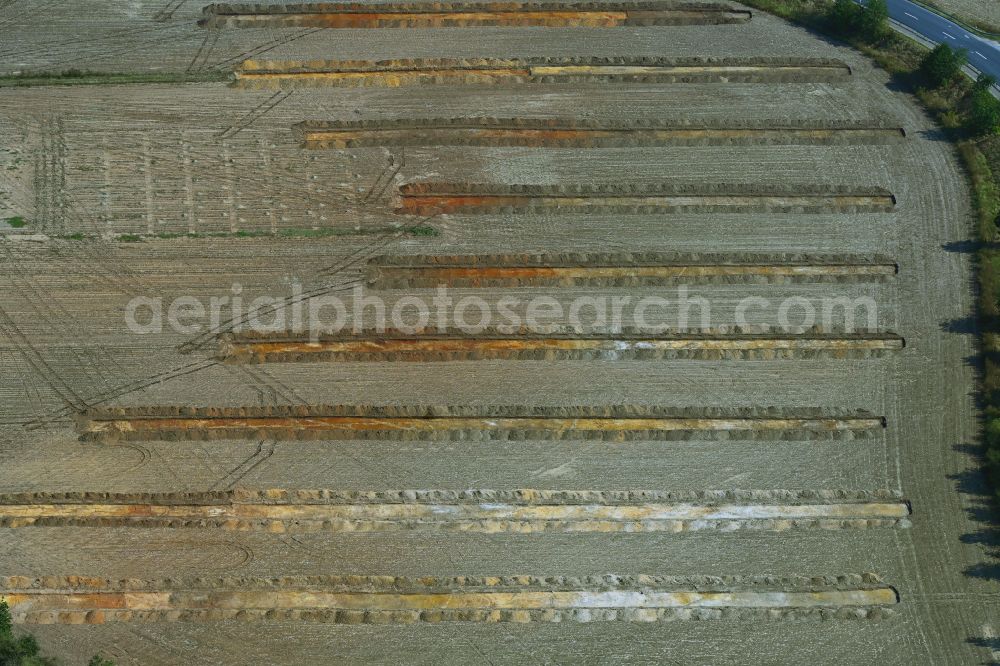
970, 116
23, 649
16, 222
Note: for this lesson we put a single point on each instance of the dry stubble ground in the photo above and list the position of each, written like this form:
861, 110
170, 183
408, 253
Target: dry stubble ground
148, 158
980, 13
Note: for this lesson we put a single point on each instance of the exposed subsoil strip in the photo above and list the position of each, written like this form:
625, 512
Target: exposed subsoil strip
431, 345
385, 599
462, 198
516, 276
520, 496
447, 15
568, 133
353, 422
527, 511
612, 270
261, 74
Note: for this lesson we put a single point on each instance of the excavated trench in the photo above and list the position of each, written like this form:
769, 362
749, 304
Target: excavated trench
477, 14
618, 270
428, 199
397, 600
264, 74
303, 422
569, 133
453, 345
484, 511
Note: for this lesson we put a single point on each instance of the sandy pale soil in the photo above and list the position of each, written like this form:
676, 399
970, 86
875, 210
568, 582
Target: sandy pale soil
85, 165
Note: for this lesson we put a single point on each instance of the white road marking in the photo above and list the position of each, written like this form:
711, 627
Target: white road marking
980, 55
911, 16
947, 35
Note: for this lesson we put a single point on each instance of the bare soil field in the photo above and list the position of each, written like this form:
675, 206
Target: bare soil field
776, 491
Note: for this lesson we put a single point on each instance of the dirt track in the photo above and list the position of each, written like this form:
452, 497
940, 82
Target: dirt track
166, 160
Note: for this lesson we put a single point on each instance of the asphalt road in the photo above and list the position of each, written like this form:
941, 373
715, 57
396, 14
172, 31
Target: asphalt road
984, 55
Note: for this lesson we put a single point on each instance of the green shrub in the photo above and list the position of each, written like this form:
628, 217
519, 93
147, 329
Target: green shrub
16, 222
873, 21
984, 112
993, 449
849, 19
984, 82
17, 650
23, 650
993, 432
942, 65
843, 16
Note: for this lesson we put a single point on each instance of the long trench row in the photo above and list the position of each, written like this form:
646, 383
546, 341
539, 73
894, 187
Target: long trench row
427, 345
418, 422
400, 600
461, 15
524, 511
571, 133
277, 75
621, 269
